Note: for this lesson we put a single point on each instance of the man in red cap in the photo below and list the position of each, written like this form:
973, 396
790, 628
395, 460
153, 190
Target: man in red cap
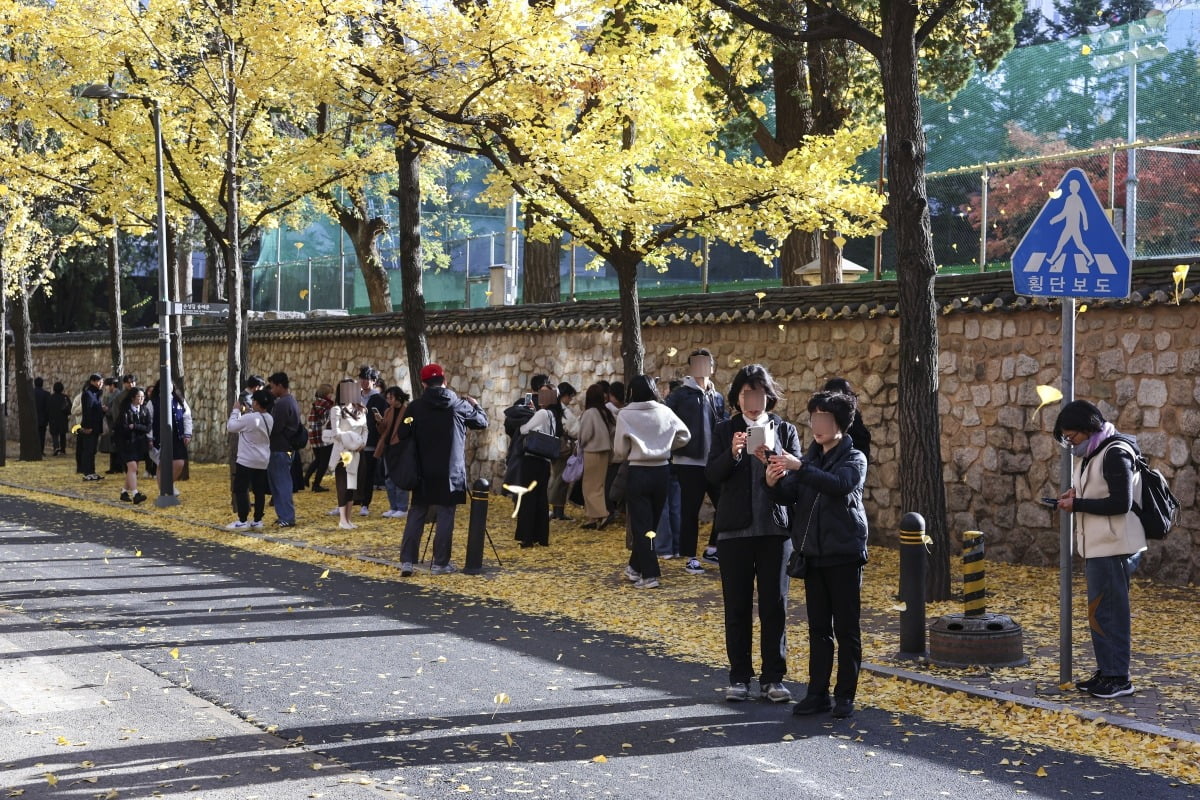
438, 421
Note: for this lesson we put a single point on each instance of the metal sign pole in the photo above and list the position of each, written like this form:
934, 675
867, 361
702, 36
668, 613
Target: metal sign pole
1066, 521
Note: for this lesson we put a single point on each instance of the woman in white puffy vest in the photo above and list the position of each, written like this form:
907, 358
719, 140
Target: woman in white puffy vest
1108, 536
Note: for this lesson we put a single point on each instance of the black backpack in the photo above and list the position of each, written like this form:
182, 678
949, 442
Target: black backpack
299, 438
1159, 508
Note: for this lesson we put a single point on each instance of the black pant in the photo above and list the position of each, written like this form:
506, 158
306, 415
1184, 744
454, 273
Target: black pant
533, 520
744, 561
85, 454
366, 477
834, 599
645, 496
42, 426
59, 440
692, 488
245, 480
319, 465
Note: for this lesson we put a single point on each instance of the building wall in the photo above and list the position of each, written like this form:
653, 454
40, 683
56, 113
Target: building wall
1140, 362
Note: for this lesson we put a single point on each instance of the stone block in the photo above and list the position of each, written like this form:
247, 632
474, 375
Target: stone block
1152, 393
1026, 366
1011, 417
1036, 516
1014, 463
1140, 364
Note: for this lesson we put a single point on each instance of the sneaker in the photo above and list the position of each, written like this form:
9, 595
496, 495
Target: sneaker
1089, 683
737, 692
1108, 688
632, 574
256, 524
126, 498
646, 583
138, 497
399, 514
406, 569
333, 512
775, 692
389, 514
365, 511
442, 569
812, 704
282, 524
693, 567
237, 525
319, 489
710, 555
842, 707
347, 526
667, 556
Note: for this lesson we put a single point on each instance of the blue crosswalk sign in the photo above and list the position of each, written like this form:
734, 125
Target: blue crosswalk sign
1071, 249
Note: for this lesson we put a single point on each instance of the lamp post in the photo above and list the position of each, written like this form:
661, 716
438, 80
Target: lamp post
166, 475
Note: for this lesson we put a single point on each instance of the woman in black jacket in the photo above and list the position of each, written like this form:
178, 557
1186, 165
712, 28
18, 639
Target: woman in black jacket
830, 529
752, 533
131, 435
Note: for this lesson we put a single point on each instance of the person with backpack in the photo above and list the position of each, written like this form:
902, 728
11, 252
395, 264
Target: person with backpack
1108, 536
318, 421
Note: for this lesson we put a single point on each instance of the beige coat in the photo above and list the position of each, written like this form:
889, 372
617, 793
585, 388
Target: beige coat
1097, 536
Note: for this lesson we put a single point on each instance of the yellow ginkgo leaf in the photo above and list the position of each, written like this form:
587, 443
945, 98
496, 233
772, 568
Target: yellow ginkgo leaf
76, 428
1047, 394
650, 534
839, 240
787, 737
137, 553
1086, 50
51, 779
519, 491
303, 294
900, 607
174, 652
672, 352
346, 457
1057, 193
408, 420
1041, 772
502, 699
324, 575
508, 739
599, 760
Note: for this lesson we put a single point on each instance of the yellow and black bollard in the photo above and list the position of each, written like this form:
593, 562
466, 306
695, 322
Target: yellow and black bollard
974, 584
912, 586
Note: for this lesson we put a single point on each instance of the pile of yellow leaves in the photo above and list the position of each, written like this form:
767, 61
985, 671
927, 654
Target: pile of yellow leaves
579, 577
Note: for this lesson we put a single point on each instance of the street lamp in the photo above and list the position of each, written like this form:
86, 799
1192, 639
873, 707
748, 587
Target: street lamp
1139, 50
166, 475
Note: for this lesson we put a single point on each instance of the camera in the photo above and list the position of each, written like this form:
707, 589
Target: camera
244, 399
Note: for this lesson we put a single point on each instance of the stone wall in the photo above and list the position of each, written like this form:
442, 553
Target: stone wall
1139, 360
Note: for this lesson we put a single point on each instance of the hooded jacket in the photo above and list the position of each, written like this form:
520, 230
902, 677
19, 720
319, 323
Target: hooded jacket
439, 433
646, 434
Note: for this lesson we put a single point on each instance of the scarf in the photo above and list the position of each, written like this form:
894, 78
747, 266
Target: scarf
1089, 445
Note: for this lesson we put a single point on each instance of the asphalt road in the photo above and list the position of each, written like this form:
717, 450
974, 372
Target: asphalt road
136, 663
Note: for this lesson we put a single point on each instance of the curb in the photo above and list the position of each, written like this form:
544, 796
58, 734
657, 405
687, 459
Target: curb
950, 686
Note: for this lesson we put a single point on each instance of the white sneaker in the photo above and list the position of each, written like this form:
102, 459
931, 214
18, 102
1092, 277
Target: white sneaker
399, 514
646, 583
237, 525
256, 524
347, 526
365, 511
406, 569
632, 574
442, 569
387, 514
333, 512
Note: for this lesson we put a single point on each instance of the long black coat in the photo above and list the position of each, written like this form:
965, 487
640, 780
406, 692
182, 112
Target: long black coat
440, 420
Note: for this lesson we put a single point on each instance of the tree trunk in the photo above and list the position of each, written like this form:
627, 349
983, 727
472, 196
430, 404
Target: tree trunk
408, 161
364, 233
238, 346
793, 120
30, 444
908, 216
632, 351
542, 279
116, 323
831, 260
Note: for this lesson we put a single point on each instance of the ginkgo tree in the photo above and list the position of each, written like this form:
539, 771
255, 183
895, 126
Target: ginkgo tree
598, 117
240, 85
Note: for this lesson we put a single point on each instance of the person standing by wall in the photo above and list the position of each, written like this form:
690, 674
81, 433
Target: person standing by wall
646, 434
753, 536
347, 436
595, 437
318, 420
252, 424
1108, 536
557, 490
59, 418
41, 405
131, 439
391, 447
372, 400
286, 422
91, 424
698, 403
533, 517
830, 529
440, 420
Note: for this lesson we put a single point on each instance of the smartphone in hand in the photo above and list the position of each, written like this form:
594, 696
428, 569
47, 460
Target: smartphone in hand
1050, 501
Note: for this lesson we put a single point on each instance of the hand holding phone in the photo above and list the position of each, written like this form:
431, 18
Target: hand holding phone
1050, 501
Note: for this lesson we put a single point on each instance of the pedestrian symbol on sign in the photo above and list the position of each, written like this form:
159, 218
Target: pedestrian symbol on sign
1071, 249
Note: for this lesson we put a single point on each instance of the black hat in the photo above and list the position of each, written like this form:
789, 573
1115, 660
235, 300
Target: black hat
95, 376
